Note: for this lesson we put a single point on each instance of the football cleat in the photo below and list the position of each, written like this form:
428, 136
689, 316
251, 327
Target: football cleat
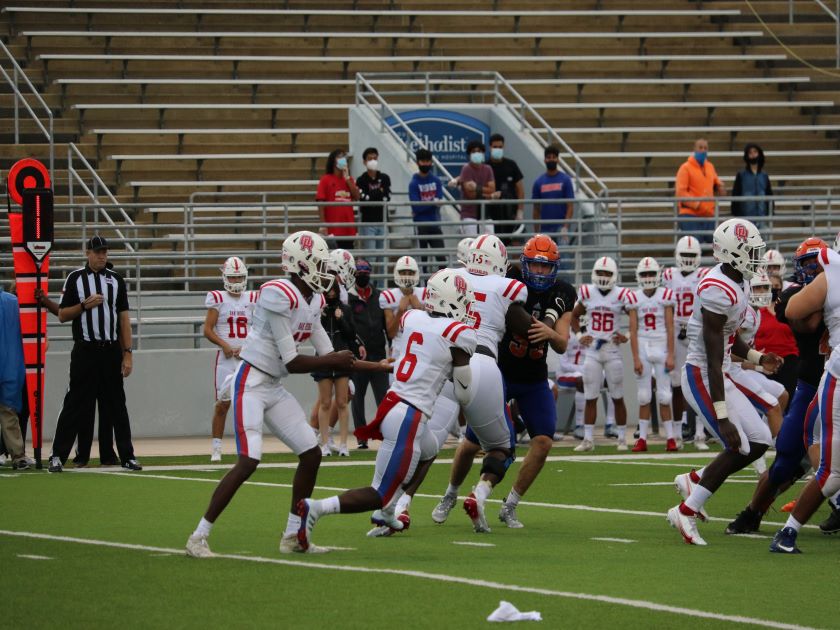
585, 445
746, 522
443, 508
788, 507
640, 446
687, 526
621, 446
785, 541
475, 510
289, 544
326, 451
700, 444
216, 455
684, 486
578, 433
507, 515
343, 451
831, 525
671, 445
387, 520
609, 431
308, 518
197, 547
55, 465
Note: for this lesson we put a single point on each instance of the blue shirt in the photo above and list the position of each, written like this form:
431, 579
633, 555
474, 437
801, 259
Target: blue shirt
557, 186
12, 369
428, 188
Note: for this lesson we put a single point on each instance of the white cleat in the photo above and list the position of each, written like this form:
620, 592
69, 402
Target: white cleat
700, 444
507, 515
622, 446
289, 544
685, 487
216, 455
344, 451
443, 508
585, 445
475, 510
325, 450
197, 547
687, 526
388, 524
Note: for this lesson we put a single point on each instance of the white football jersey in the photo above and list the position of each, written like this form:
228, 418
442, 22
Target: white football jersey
604, 311
390, 299
281, 298
830, 261
719, 294
234, 314
493, 296
426, 362
684, 288
651, 312
572, 359
752, 319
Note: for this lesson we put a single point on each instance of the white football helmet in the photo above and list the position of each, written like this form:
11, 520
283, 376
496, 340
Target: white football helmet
687, 254
235, 275
774, 258
344, 265
836, 246
307, 255
448, 293
738, 243
760, 291
605, 283
463, 252
488, 255
648, 265
403, 280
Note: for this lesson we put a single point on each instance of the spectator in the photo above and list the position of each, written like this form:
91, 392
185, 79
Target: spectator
12, 376
697, 178
476, 182
752, 181
369, 322
508, 179
426, 187
553, 185
374, 185
336, 185
95, 300
338, 324
775, 336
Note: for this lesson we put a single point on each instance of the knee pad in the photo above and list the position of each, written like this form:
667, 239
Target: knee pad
496, 466
643, 394
614, 371
663, 393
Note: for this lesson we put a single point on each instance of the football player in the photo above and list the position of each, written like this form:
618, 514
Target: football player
712, 332
603, 302
288, 313
395, 302
226, 325
652, 345
682, 280
439, 342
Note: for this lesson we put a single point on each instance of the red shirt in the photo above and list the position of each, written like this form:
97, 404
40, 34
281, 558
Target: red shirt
774, 336
334, 188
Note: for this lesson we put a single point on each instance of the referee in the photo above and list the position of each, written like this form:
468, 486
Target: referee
94, 298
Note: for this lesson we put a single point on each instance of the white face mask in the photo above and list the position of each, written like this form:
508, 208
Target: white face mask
372, 165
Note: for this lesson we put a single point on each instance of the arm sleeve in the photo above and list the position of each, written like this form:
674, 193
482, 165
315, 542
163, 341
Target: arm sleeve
413, 190
517, 174
630, 302
386, 187
682, 182
69, 294
321, 193
362, 184
438, 188
535, 189
466, 341
320, 339
211, 302
122, 295
769, 192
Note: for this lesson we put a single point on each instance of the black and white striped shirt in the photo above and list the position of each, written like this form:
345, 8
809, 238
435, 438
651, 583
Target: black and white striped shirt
102, 322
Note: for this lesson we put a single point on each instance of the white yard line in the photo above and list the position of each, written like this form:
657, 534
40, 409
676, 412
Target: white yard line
626, 541
467, 543
31, 556
671, 483
437, 577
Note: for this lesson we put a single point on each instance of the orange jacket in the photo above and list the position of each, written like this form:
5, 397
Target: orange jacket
694, 180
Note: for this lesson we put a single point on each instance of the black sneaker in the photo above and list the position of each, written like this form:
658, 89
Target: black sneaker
746, 522
132, 464
362, 445
55, 465
610, 431
831, 525
20, 464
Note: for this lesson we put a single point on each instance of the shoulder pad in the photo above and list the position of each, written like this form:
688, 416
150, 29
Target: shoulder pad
278, 297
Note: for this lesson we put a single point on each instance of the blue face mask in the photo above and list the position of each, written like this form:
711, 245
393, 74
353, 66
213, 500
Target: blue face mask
496, 153
477, 157
700, 156
341, 163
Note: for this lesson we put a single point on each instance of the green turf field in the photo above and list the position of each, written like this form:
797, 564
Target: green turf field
86, 549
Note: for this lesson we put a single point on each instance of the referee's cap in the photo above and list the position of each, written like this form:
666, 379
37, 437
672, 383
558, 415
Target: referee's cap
97, 242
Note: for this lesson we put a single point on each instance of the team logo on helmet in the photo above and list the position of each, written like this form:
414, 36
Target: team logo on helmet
306, 243
460, 285
741, 232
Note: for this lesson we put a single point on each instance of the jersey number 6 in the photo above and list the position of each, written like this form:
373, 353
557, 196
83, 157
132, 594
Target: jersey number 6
409, 361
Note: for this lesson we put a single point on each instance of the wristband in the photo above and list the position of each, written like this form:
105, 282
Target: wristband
720, 409
754, 356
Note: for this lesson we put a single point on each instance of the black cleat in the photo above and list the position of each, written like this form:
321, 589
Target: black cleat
55, 465
746, 522
132, 464
831, 525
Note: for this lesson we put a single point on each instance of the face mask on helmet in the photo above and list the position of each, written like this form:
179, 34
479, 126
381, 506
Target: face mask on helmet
687, 254
449, 294
306, 255
235, 275
604, 274
760, 295
648, 273
738, 243
540, 261
806, 269
406, 273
